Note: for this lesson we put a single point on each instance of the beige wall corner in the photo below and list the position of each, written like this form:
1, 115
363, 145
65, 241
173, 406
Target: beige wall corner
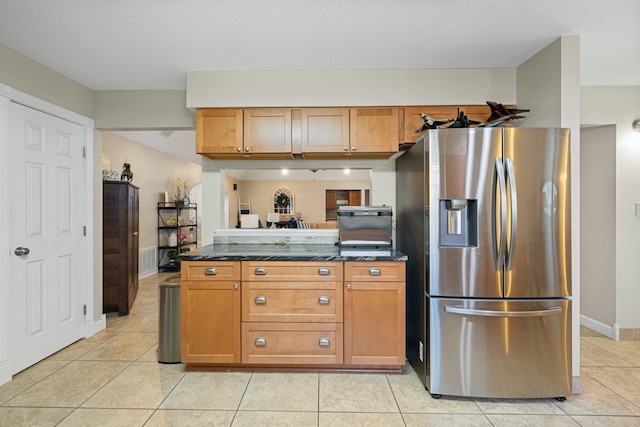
142, 110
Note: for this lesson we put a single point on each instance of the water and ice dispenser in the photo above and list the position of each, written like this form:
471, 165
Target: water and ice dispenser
458, 222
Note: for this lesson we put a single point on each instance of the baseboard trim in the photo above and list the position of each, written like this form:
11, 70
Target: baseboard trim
5, 372
576, 386
92, 327
611, 331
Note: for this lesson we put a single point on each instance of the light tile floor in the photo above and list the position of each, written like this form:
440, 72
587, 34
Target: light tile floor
114, 379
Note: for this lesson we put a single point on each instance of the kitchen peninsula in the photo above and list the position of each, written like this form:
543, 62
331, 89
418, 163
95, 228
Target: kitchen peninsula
287, 304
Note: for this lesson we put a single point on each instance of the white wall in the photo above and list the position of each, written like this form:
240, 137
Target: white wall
29, 76
619, 106
548, 83
598, 225
350, 87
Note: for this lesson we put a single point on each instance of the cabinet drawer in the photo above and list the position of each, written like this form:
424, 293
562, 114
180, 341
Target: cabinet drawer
210, 270
286, 271
292, 343
375, 271
291, 305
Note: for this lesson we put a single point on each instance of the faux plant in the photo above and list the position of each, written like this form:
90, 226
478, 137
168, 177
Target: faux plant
181, 186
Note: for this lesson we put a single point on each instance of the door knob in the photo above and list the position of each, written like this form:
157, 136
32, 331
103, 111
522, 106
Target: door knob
20, 251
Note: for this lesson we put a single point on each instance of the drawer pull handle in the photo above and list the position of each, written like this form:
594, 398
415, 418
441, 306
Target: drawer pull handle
261, 341
260, 271
374, 272
324, 342
324, 300
323, 271
211, 271
261, 300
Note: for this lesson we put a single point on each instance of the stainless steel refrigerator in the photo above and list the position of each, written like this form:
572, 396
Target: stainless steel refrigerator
484, 217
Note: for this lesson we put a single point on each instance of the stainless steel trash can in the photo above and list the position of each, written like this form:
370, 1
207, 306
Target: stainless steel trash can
169, 320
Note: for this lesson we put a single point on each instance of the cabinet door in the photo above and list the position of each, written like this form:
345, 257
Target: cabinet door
374, 323
267, 130
331, 199
354, 197
325, 130
374, 313
219, 130
210, 326
413, 121
374, 130
133, 242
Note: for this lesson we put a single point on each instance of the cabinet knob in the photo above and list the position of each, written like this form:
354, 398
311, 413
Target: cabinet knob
374, 272
323, 271
261, 300
211, 271
260, 271
353, 148
246, 149
348, 286
324, 300
346, 148
235, 286
239, 150
324, 342
260, 341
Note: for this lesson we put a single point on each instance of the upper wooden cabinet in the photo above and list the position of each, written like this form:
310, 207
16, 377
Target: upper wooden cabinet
320, 133
413, 121
267, 131
219, 131
261, 133
374, 130
324, 130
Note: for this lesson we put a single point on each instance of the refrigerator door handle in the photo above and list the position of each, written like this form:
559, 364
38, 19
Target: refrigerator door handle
499, 247
497, 313
513, 203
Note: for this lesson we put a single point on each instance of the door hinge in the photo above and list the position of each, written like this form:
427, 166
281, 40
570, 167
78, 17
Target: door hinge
84, 152
84, 309
84, 230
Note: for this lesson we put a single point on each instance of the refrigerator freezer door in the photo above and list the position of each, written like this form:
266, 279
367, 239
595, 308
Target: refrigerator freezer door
539, 255
500, 349
461, 169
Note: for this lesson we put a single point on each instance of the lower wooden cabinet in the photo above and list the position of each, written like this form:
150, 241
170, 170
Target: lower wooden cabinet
332, 314
292, 343
210, 312
374, 313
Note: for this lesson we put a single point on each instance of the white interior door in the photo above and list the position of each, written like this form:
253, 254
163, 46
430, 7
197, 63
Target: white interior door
46, 234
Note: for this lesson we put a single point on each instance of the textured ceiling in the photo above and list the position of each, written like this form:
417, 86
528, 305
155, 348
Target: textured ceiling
152, 44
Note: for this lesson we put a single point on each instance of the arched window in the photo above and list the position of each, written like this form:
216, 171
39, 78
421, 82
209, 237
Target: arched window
283, 201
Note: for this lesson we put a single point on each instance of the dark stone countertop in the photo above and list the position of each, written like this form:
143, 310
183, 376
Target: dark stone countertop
294, 252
